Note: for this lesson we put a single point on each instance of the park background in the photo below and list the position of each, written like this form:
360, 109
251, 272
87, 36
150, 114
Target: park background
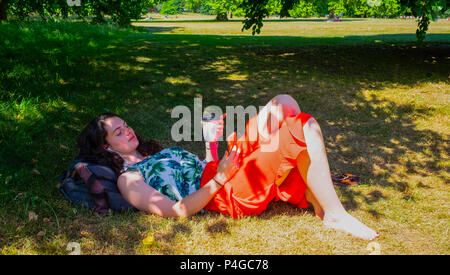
380, 95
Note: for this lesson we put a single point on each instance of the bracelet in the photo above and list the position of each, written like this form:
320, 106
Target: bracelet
214, 179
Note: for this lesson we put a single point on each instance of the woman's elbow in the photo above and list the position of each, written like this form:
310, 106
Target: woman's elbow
179, 210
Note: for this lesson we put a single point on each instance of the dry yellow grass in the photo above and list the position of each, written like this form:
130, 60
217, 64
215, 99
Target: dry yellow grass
310, 27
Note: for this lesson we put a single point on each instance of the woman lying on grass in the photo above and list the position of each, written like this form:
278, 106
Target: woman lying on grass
286, 161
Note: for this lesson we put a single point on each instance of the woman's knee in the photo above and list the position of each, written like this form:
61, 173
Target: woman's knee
312, 127
313, 136
288, 104
275, 111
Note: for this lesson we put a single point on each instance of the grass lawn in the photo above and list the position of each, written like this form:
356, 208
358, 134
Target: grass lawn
382, 100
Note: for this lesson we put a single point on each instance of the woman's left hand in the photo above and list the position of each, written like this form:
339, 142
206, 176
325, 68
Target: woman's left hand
228, 166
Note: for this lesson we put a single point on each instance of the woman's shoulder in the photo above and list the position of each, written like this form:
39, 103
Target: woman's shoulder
129, 175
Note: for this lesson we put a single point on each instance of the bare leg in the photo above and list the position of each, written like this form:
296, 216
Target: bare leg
318, 180
269, 120
315, 171
318, 211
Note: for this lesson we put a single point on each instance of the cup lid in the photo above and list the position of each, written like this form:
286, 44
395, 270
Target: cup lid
208, 116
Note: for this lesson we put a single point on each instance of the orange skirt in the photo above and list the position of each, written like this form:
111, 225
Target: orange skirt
265, 175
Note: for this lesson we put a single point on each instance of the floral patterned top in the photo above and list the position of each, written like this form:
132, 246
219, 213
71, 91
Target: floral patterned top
173, 171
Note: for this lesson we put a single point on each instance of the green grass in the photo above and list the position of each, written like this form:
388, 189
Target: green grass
351, 29
381, 99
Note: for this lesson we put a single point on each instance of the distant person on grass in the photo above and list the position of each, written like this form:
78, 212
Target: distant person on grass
173, 182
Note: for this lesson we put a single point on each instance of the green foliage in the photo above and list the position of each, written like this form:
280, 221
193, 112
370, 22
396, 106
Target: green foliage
287, 5
193, 5
205, 8
365, 8
172, 7
219, 6
303, 9
223, 6
321, 6
337, 6
425, 10
120, 11
255, 11
274, 6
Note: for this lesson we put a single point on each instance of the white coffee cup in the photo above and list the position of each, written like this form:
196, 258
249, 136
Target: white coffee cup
210, 130
211, 123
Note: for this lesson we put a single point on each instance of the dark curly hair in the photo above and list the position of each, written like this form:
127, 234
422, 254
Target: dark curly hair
92, 139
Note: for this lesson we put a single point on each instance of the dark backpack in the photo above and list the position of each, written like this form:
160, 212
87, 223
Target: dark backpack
76, 190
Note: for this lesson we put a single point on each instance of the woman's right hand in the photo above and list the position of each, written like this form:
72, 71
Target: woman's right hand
228, 166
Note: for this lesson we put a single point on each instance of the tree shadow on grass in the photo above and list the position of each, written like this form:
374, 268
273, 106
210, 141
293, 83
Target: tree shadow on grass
57, 78
219, 226
160, 29
280, 208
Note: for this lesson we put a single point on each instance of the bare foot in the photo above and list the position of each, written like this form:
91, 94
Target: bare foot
345, 222
312, 199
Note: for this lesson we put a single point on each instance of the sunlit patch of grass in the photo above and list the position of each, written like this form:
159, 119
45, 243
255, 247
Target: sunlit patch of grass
235, 76
311, 27
179, 80
433, 99
143, 59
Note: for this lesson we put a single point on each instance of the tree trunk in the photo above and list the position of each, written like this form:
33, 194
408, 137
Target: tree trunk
3, 16
222, 17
